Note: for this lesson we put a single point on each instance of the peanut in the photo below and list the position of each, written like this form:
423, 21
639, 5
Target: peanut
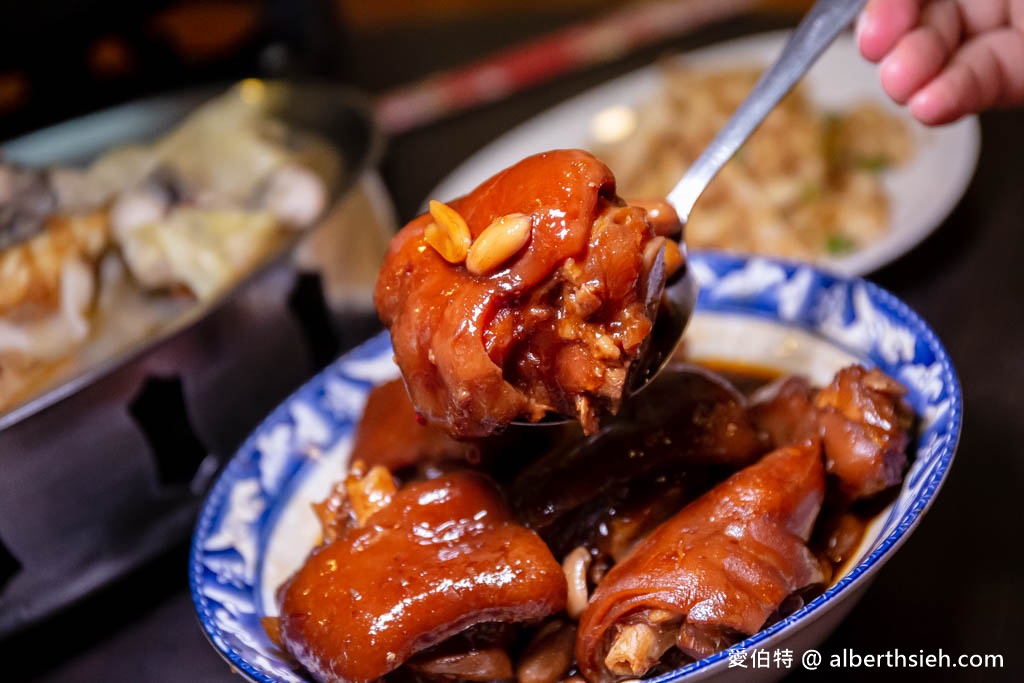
575, 566
499, 242
448, 234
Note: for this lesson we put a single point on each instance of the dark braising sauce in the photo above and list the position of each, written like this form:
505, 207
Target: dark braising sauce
746, 377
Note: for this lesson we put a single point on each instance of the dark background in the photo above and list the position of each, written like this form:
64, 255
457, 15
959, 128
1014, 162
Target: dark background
958, 583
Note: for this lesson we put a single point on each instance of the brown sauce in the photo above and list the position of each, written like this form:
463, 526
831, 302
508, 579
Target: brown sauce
746, 377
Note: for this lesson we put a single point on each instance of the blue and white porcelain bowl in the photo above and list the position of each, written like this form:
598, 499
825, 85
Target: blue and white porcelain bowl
257, 526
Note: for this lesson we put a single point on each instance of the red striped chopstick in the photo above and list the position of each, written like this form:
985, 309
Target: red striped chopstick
493, 78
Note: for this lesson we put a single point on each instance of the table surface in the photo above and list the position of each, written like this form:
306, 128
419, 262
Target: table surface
957, 585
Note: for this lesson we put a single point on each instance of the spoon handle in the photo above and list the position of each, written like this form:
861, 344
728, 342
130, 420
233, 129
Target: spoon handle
819, 27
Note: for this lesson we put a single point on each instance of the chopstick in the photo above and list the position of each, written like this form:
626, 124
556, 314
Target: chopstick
493, 78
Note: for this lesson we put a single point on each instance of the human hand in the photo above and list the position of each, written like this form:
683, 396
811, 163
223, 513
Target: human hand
946, 58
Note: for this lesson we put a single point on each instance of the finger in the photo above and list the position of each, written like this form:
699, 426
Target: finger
984, 73
980, 16
882, 23
945, 18
917, 58
954, 94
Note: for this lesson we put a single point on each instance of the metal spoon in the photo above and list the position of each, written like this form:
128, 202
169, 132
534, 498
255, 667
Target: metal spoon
815, 32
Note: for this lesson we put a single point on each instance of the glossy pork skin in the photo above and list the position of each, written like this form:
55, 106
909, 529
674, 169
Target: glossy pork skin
442, 556
864, 426
713, 573
478, 351
390, 434
860, 418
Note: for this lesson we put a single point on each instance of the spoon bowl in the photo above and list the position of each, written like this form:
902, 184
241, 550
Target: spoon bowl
816, 31
671, 312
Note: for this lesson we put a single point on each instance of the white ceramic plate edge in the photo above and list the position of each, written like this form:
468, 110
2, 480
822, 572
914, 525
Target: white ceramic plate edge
921, 197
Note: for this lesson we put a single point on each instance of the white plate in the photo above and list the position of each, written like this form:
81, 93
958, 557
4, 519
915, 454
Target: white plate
923, 191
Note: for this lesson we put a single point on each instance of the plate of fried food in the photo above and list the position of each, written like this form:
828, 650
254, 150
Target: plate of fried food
837, 175
399, 518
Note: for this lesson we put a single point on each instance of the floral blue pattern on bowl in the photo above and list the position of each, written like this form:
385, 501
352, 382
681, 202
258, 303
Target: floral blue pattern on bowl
861, 319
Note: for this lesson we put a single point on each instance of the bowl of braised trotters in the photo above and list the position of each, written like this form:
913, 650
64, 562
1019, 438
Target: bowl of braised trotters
400, 518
